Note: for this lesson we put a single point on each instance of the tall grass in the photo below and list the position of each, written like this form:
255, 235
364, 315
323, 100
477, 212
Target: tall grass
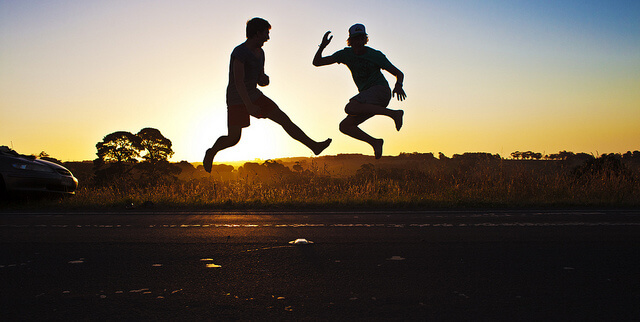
487, 183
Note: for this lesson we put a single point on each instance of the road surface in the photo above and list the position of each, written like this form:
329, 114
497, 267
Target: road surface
378, 265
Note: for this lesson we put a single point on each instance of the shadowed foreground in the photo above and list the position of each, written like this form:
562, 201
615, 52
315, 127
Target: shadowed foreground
372, 266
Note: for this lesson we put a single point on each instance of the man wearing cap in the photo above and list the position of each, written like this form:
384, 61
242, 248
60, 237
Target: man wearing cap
374, 94
246, 71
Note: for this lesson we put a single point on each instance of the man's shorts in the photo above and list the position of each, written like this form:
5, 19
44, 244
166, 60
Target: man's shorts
377, 95
239, 116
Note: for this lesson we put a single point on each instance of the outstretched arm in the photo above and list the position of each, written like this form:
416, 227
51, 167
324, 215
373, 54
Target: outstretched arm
397, 89
318, 60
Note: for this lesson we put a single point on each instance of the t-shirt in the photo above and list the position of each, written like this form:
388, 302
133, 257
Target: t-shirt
365, 68
253, 69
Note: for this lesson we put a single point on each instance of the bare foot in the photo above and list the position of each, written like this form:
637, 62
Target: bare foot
208, 159
377, 148
321, 146
398, 119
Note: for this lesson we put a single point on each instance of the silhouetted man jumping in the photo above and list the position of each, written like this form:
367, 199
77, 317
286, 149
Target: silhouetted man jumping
246, 71
374, 94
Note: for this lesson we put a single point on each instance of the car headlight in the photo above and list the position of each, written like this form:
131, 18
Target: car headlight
31, 167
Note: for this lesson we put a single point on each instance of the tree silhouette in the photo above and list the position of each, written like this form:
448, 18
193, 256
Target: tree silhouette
298, 167
121, 146
635, 155
122, 151
155, 146
366, 171
527, 155
607, 165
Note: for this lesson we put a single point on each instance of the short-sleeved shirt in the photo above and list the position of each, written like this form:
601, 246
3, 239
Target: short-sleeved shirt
365, 68
253, 69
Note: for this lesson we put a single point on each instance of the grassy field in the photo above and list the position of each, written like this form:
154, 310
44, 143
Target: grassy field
397, 183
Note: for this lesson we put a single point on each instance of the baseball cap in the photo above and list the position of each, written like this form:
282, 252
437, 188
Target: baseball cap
357, 29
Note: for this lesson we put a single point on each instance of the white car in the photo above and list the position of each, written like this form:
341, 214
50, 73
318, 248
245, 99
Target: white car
22, 173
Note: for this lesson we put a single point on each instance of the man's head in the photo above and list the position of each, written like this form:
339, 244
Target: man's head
357, 29
256, 26
357, 35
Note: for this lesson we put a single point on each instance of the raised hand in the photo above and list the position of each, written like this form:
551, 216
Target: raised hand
326, 39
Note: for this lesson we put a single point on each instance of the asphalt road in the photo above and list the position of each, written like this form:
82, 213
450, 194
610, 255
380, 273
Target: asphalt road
400, 265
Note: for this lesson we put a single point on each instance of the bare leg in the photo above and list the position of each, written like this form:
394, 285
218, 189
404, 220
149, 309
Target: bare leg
349, 126
223, 142
295, 132
356, 108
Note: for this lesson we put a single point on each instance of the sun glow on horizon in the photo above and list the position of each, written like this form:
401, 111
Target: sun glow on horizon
493, 76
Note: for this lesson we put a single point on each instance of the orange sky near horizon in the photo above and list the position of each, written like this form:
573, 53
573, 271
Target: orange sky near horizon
495, 76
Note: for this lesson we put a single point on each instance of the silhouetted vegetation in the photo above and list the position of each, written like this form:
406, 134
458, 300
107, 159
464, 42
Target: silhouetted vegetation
413, 180
407, 180
526, 155
127, 159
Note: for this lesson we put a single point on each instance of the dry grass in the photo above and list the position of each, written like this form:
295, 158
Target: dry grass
437, 185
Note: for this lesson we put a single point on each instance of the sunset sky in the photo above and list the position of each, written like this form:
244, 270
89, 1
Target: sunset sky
480, 76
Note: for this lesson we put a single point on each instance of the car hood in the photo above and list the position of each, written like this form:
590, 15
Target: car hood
54, 166
49, 164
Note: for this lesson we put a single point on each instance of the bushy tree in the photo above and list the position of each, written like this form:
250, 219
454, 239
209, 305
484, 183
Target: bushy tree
562, 155
635, 155
366, 171
527, 155
268, 171
155, 147
607, 165
120, 153
121, 146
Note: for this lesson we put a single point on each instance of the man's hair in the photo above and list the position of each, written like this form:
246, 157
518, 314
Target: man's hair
256, 25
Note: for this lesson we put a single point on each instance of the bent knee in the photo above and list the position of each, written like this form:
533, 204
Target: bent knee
345, 125
235, 138
234, 135
350, 107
